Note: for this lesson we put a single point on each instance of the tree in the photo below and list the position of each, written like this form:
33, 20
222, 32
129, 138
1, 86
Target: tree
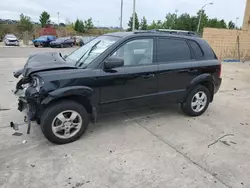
89, 24
130, 23
25, 23
76, 26
170, 21
81, 27
44, 18
143, 24
223, 24
159, 24
215, 23
231, 25
153, 25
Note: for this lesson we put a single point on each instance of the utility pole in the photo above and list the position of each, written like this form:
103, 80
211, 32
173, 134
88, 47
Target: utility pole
58, 13
201, 12
121, 14
236, 23
133, 28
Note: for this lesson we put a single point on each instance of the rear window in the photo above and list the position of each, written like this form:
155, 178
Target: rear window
171, 50
196, 49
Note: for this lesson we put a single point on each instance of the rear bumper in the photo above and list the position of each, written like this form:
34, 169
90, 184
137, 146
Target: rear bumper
217, 85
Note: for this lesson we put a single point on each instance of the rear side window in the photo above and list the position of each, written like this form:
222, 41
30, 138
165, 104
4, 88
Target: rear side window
196, 49
172, 50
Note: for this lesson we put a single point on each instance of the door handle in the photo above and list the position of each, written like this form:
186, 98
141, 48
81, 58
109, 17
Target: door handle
148, 76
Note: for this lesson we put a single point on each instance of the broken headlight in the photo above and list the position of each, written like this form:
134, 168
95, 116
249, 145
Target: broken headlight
37, 83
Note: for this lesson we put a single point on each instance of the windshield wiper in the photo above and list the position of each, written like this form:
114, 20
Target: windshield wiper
91, 49
62, 56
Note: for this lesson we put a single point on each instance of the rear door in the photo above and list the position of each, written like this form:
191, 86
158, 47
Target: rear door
177, 68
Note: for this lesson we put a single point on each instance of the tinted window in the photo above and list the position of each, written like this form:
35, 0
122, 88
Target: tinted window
172, 50
196, 49
136, 52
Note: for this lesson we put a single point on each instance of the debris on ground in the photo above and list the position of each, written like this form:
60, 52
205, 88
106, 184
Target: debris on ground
24, 141
79, 184
235, 89
242, 123
233, 142
219, 139
225, 143
32, 165
17, 134
214, 174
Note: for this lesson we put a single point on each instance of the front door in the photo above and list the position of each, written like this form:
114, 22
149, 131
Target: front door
134, 84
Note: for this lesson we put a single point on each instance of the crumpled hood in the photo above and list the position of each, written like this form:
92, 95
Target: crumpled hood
43, 62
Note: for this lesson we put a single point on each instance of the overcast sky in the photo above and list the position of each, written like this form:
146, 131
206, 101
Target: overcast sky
107, 12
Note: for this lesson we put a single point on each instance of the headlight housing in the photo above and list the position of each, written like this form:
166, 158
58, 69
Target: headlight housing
37, 83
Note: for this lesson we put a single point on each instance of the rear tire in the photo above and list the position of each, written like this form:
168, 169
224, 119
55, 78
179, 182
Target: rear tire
36, 46
66, 128
197, 101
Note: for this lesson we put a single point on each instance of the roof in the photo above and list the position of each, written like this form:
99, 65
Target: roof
160, 32
119, 34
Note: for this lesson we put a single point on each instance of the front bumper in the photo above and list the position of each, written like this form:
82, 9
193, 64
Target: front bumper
27, 104
12, 43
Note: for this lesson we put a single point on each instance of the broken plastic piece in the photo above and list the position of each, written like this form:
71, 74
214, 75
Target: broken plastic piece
17, 134
14, 126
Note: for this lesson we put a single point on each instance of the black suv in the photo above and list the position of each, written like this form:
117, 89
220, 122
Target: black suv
116, 72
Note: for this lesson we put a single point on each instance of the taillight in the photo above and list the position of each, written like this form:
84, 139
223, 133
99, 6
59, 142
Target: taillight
220, 70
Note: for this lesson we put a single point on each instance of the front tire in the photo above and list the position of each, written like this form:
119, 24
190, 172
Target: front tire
197, 101
64, 122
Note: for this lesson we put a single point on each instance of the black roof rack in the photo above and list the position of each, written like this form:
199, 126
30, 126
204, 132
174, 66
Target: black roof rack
168, 31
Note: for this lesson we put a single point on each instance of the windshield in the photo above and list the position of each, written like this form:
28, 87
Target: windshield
61, 39
87, 53
43, 37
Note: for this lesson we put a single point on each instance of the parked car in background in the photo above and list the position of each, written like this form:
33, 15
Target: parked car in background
62, 42
44, 40
11, 40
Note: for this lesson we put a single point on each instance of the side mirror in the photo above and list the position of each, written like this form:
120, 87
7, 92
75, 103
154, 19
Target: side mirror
113, 62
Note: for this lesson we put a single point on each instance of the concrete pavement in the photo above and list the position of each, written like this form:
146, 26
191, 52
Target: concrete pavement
149, 147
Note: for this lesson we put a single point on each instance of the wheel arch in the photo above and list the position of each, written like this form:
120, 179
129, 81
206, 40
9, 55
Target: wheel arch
206, 80
79, 94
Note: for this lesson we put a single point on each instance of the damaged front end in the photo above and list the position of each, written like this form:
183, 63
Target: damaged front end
27, 91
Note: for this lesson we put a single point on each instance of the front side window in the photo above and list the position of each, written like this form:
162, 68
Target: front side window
136, 52
90, 51
172, 50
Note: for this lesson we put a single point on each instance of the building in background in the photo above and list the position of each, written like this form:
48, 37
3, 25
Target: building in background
246, 22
